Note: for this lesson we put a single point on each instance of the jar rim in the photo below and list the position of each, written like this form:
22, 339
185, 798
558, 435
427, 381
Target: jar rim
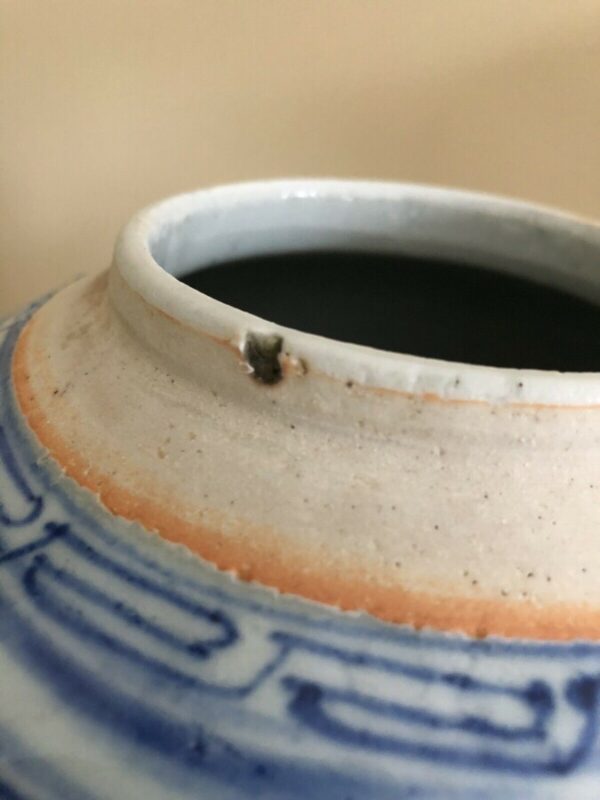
228, 222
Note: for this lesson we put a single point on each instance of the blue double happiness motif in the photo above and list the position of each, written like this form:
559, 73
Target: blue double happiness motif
234, 695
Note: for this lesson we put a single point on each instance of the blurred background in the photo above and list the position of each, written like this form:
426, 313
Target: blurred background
108, 105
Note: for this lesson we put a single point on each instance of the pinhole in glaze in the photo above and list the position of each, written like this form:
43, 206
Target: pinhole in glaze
242, 561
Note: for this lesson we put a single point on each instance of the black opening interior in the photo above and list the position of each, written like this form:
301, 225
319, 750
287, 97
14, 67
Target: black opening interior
411, 305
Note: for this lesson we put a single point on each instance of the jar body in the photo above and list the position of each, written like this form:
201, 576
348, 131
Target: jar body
133, 663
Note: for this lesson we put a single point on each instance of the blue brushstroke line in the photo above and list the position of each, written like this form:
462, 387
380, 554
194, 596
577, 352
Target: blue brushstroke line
180, 601
306, 704
8, 459
391, 666
54, 531
400, 712
71, 619
583, 693
201, 648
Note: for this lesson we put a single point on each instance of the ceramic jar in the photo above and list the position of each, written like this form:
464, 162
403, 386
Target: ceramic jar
239, 560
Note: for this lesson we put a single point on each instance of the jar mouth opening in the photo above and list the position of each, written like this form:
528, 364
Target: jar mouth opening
261, 223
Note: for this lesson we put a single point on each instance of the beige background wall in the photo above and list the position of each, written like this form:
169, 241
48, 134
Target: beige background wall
107, 105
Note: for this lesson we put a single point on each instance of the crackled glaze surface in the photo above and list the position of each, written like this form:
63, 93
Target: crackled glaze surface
160, 506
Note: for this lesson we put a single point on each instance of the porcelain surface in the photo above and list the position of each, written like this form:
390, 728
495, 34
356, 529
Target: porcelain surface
212, 587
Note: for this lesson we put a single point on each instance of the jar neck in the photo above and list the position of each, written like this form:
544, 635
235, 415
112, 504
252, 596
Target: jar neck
215, 226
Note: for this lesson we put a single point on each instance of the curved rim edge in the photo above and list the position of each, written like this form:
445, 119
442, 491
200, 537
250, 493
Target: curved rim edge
377, 369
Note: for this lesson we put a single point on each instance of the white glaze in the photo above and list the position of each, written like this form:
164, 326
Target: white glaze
112, 680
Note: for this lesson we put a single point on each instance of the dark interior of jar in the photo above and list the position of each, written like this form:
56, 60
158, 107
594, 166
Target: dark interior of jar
423, 307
